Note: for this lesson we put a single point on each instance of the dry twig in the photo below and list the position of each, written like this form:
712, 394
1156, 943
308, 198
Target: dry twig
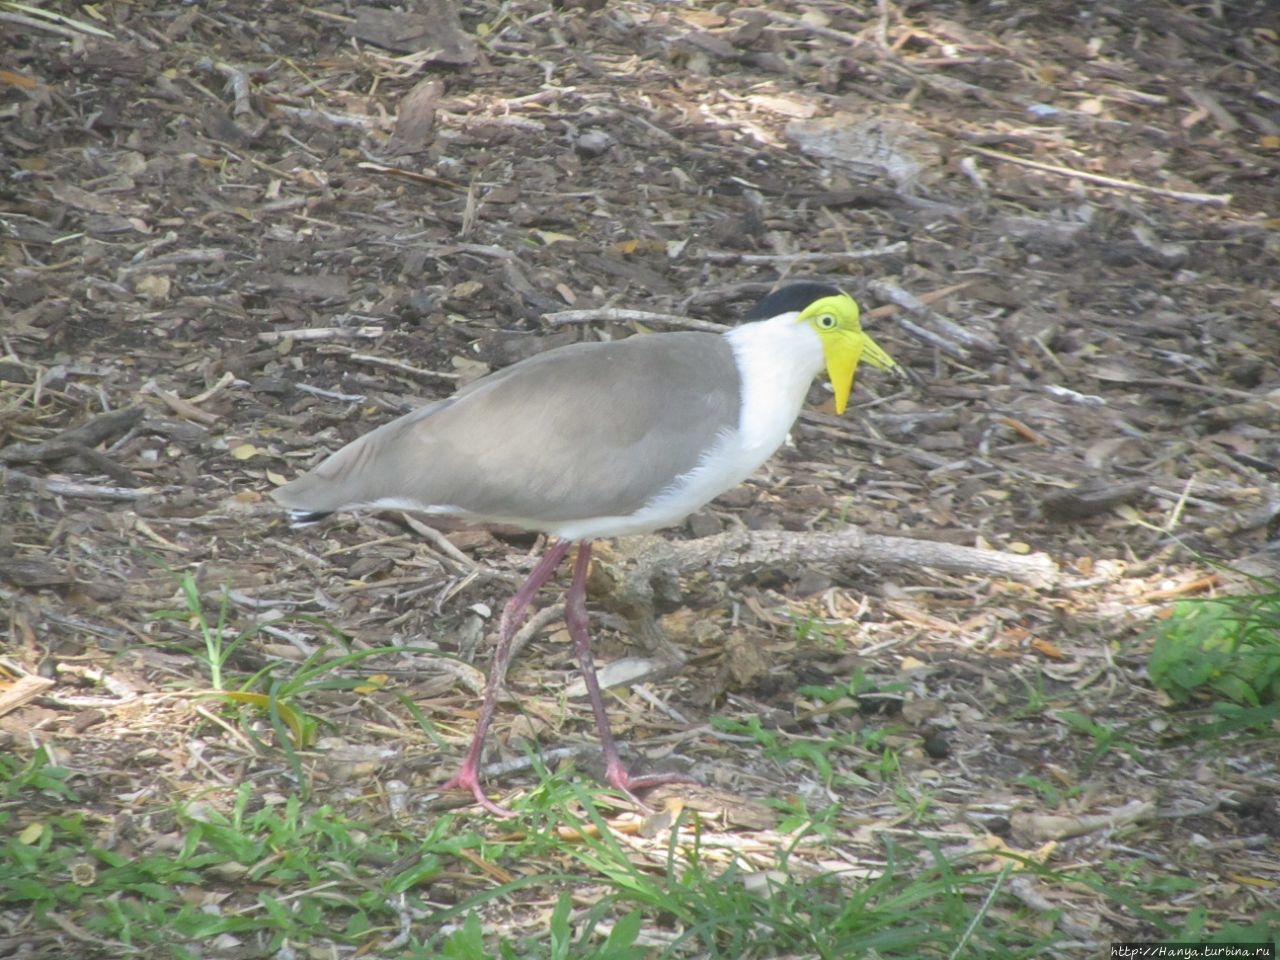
617, 315
1213, 199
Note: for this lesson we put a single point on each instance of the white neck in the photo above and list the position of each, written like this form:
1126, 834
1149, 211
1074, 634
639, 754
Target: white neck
777, 359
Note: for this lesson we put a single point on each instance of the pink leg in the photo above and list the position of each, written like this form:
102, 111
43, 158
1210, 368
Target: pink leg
575, 618
468, 775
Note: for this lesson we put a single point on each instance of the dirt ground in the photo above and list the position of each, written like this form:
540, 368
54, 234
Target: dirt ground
236, 235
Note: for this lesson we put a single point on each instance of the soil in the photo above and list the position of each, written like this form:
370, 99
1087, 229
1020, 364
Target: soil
234, 236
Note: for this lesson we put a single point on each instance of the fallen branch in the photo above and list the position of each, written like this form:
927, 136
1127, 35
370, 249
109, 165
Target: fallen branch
654, 564
400, 366
94, 431
81, 442
1034, 827
368, 331
755, 548
899, 297
183, 408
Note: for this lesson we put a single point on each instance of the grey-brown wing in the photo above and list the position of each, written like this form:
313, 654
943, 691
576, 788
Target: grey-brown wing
581, 431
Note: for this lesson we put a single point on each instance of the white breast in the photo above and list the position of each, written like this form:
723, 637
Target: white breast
777, 361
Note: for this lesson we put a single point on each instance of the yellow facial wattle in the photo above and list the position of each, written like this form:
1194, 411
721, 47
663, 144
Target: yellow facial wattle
845, 344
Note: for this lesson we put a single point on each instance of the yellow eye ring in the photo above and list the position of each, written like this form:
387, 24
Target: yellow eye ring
826, 322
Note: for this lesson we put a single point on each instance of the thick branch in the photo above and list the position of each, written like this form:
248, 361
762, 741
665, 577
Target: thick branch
654, 561
100, 429
749, 548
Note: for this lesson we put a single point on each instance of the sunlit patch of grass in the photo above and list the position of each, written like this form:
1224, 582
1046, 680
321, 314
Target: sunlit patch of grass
568, 938
1106, 736
1052, 795
826, 752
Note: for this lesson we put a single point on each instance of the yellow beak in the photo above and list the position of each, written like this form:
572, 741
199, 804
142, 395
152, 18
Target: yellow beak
844, 353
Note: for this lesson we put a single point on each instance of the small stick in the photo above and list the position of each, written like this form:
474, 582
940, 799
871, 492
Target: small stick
325, 116
183, 408
368, 331
238, 79
913, 304
22, 690
88, 491
330, 394
729, 256
1214, 199
413, 175
440, 542
402, 367
536, 623
617, 315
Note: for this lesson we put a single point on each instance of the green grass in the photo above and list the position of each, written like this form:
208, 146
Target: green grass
279, 691
292, 872
293, 875
218, 641
264, 872
698, 901
826, 751
288, 875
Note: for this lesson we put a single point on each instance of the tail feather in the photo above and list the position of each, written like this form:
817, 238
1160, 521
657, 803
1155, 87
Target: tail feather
307, 518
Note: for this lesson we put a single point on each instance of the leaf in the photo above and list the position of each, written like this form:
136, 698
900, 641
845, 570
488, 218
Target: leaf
548, 237
467, 943
20, 80
1048, 649
153, 286
295, 720
372, 684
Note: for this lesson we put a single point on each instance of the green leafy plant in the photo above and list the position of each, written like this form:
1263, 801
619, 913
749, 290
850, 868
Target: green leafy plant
275, 690
37, 773
218, 640
1226, 648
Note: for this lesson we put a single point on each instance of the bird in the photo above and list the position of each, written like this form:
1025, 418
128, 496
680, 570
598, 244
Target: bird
598, 439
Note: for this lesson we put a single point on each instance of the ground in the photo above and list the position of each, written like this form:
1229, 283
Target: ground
250, 232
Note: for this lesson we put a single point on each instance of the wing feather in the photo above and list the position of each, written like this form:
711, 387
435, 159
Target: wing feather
586, 430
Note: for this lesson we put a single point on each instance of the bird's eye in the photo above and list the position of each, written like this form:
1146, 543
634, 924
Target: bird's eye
826, 322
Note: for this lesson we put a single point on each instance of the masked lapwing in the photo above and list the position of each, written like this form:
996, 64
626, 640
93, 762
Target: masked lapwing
596, 440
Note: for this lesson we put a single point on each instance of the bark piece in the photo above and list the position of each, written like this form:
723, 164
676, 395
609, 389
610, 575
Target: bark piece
436, 31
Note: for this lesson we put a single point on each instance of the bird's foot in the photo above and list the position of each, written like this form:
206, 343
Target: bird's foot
616, 775
468, 778
619, 778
